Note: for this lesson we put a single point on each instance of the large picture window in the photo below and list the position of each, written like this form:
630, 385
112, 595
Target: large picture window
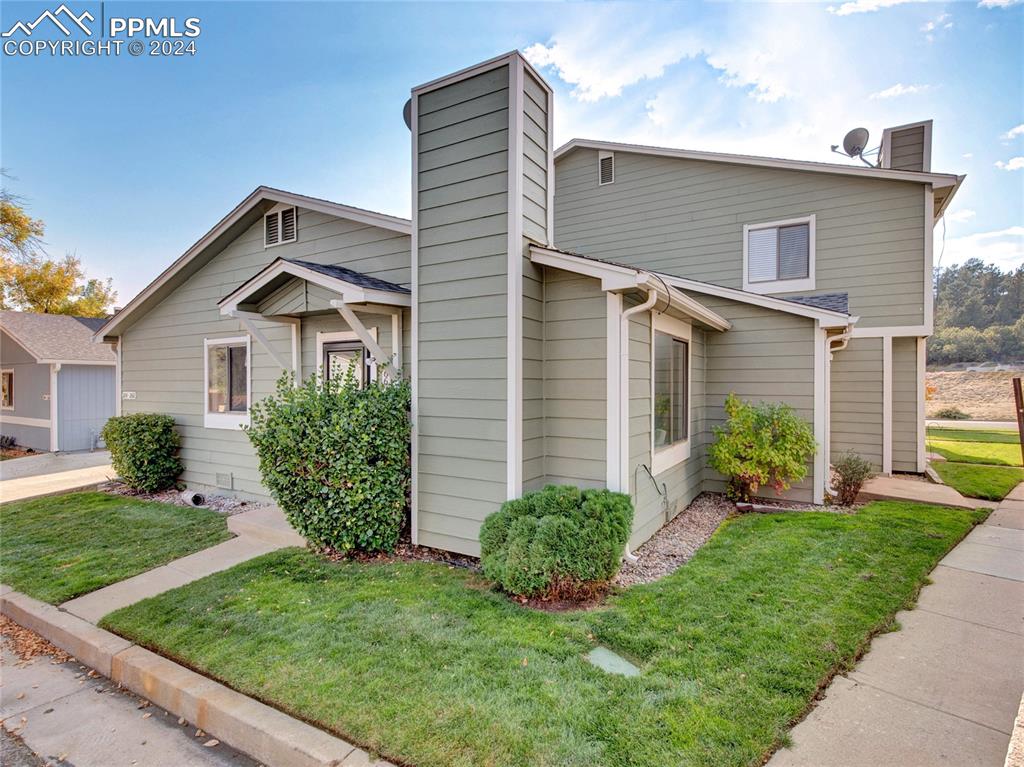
779, 256
670, 392
227, 382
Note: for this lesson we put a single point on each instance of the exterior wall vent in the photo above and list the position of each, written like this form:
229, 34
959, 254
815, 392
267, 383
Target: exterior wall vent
606, 168
280, 226
225, 480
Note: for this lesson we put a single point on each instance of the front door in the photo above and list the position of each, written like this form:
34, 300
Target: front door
342, 355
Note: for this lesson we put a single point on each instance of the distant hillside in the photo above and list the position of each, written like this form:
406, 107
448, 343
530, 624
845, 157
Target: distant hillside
979, 314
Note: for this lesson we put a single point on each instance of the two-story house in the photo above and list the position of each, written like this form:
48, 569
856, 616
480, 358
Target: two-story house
571, 316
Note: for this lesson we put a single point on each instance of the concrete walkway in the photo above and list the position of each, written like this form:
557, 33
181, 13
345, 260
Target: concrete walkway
259, 532
36, 476
940, 424
945, 689
919, 490
66, 715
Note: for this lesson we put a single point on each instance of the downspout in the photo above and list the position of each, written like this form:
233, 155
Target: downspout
833, 344
652, 299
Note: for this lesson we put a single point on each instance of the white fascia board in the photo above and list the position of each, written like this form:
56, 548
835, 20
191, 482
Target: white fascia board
107, 363
936, 179
826, 317
351, 293
371, 218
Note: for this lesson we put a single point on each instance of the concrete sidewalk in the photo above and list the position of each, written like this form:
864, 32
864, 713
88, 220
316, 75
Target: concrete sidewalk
945, 689
36, 476
65, 714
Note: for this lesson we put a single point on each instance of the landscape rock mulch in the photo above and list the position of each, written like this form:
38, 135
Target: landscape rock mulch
220, 503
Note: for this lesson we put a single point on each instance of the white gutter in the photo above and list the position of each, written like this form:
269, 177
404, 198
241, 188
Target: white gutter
652, 299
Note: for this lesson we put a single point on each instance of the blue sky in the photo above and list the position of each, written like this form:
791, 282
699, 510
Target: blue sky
130, 160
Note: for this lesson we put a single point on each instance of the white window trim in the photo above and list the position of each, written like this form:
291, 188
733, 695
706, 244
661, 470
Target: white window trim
667, 457
227, 420
276, 211
323, 338
603, 155
5, 371
780, 286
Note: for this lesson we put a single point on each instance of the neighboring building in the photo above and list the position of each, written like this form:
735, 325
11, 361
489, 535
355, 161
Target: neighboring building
59, 388
573, 316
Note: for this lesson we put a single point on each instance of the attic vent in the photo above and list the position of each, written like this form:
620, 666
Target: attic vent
606, 168
279, 226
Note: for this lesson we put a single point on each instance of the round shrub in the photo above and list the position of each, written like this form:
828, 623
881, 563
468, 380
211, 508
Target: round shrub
557, 542
143, 449
763, 444
335, 457
850, 473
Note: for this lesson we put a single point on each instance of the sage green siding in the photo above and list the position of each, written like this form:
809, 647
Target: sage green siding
767, 356
686, 217
857, 400
536, 148
575, 379
904, 404
906, 149
658, 499
162, 352
462, 214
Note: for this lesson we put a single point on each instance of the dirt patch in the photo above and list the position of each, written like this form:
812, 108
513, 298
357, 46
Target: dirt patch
28, 645
16, 452
406, 552
983, 396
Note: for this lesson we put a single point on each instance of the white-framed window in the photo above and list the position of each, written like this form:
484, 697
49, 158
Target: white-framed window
7, 398
227, 382
605, 168
336, 352
778, 256
670, 392
280, 225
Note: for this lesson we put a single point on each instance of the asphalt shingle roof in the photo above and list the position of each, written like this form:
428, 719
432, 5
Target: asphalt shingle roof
57, 336
836, 302
356, 278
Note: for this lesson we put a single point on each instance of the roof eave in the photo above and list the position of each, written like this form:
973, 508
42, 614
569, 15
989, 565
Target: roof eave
936, 179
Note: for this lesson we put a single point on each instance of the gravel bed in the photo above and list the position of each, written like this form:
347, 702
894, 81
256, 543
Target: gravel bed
674, 544
220, 503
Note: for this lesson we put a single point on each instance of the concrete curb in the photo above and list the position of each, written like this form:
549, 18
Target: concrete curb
1015, 753
264, 733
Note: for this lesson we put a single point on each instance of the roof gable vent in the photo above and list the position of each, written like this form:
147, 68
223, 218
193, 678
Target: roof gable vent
280, 226
606, 168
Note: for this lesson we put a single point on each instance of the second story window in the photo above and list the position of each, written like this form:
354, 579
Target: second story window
778, 257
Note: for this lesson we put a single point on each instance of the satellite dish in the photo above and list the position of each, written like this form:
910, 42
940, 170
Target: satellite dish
407, 114
855, 142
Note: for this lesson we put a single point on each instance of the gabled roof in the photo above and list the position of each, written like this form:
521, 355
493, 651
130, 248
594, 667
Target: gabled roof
57, 337
244, 215
937, 180
353, 287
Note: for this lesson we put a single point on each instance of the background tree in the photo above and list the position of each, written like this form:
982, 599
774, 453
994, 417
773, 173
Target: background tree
32, 282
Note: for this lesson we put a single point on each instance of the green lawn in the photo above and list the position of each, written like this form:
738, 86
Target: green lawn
989, 482
975, 435
59, 547
991, 453
425, 665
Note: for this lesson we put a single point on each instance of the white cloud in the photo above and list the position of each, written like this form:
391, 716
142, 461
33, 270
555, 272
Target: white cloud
899, 89
1015, 163
1014, 132
942, 21
997, 3
967, 155
866, 6
1002, 247
961, 216
599, 65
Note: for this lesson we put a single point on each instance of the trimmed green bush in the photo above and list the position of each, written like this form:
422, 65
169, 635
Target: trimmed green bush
336, 459
557, 542
761, 445
144, 450
851, 472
